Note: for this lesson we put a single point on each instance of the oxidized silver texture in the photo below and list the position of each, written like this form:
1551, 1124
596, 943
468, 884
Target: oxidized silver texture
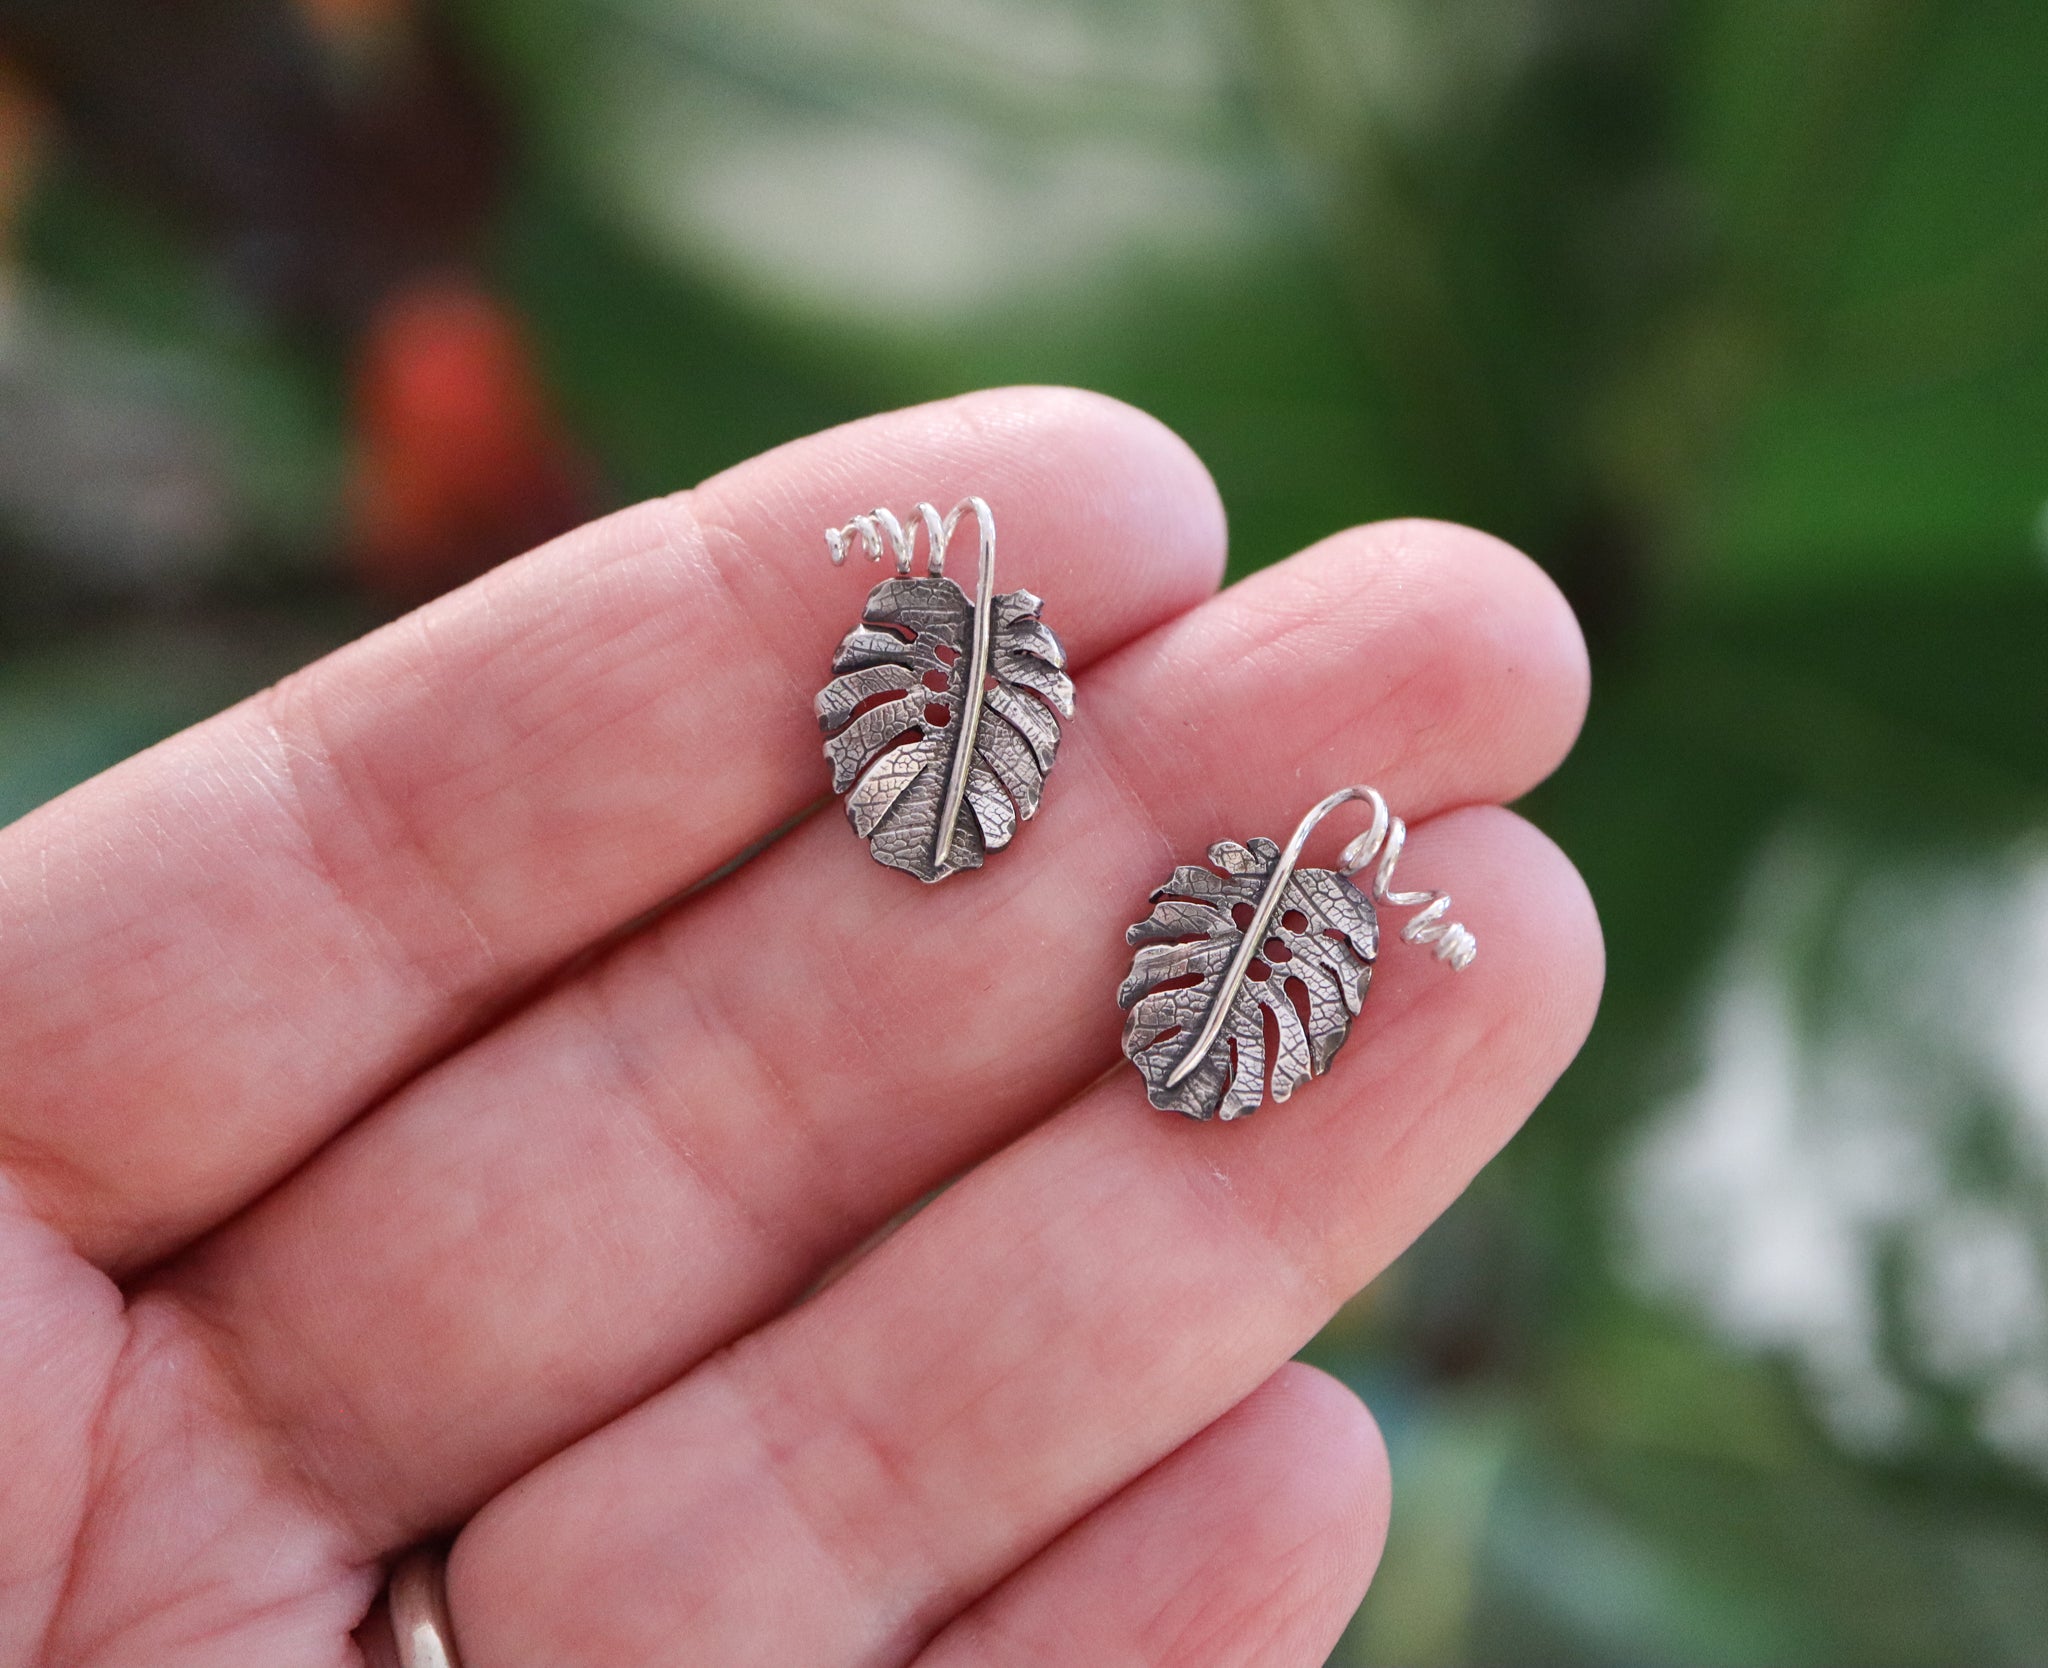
1255, 936
941, 723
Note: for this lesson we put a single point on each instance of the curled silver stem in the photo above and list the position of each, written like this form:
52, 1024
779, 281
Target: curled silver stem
879, 532
1454, 944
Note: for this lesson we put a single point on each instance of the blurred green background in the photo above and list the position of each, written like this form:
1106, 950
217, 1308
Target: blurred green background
1733, 312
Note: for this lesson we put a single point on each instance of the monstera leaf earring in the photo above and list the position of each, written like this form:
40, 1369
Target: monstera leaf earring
940, 722
1222, 951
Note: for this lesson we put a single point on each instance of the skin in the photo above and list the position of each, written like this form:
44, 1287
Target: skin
384, 1150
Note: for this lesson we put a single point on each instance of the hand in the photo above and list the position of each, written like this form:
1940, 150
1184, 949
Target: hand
375, 1161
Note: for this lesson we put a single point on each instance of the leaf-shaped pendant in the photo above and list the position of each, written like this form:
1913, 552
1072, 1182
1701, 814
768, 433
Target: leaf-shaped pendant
1258, 962
940, 722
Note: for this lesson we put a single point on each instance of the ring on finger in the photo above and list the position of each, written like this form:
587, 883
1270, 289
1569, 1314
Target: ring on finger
417, 1597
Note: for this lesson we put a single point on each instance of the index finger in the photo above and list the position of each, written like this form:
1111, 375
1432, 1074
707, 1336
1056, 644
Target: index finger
218, 953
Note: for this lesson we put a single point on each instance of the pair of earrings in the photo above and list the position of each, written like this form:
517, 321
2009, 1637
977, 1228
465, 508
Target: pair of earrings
942, 723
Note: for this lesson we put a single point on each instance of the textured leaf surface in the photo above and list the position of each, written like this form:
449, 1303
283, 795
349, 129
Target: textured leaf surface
1292, 1011
892, 721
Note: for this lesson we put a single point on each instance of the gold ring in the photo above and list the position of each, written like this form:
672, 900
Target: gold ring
418, 1600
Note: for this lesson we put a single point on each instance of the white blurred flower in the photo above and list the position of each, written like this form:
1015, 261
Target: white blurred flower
1856, 1181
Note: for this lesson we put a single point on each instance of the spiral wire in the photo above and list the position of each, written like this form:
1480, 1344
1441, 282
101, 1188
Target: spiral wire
1453, 944
879, 532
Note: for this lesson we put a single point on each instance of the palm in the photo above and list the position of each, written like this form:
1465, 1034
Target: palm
360, 1178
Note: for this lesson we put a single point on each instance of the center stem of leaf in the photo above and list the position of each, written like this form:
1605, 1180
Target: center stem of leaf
974, 667
1254, 936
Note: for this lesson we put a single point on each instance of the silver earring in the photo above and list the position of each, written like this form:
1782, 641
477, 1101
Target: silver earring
1221, 951
940, 723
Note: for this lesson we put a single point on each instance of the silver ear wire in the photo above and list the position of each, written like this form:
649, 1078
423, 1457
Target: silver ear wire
1256, 965
942, 716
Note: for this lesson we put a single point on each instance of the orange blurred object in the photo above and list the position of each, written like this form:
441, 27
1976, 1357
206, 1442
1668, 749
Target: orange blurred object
347, 19
460, 461
23, 120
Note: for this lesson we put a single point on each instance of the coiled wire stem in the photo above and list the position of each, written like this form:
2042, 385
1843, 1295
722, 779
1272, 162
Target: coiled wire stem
1454, 945
879, 532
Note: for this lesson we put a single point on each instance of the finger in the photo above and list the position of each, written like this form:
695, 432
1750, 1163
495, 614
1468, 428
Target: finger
60, 1340
566, 1216
1250, 1546
834, 1485
218, 952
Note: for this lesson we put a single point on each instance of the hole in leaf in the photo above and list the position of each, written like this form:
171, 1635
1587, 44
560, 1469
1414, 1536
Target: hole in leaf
907, 739
936, 682
946, 652
1274, 950
1297, 993
1294, 921
936, 715
1241, 914
874, 701
1258, 970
